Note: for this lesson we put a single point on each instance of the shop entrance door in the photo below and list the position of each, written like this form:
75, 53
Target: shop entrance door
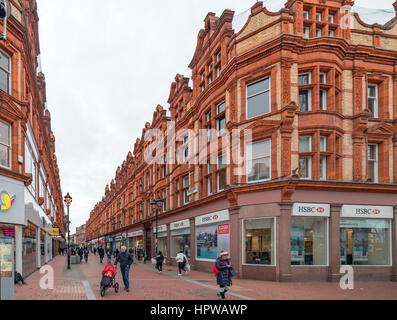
346, 246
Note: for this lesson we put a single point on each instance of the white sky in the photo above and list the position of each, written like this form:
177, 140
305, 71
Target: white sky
107, 65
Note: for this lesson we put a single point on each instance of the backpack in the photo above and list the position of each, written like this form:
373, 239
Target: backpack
215, 269
184, 259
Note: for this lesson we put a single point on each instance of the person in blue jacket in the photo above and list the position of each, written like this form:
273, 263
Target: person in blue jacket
223, 278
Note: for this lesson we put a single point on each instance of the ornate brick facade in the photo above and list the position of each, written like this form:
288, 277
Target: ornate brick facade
279, 46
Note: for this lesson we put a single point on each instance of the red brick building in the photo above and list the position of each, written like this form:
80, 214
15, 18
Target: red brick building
317, 89
29, 173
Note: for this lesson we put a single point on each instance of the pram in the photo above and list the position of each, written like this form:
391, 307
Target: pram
109, 279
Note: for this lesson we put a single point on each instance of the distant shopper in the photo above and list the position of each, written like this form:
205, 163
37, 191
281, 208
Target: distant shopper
86, 253
144, 257
94, 251
116, 253
80, 252
101, 253
109, 255
125, 260
159, 262
223, 277
181, 259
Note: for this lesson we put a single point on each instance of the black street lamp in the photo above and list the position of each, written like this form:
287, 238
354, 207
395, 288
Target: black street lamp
157, 204
68, 202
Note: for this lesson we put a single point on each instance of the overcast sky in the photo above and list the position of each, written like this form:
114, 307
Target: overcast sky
107, 66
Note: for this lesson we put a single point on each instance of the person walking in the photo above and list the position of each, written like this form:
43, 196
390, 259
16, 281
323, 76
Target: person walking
125, 260
223, 278
94, 251
116, 253
109, 255
159, 262
80, 253
101, 253
181, 259
86, 253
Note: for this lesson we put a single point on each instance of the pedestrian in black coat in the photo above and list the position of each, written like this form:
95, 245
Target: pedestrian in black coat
125, 260
159, 261
80, 252
101, 253
223, 278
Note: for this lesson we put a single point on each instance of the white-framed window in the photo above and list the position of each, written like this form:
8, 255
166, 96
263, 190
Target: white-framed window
318, 16
305, 78
218, 71
323, 78
331, 33
258, 98
373, 99
305, 14
210, 67
259, 161
305, 162
220, 108
331, 18
259, 241
210, 79
221, 175
5, 72
164, 200
209, 178
323, 168
318, 32
5, 144
220, 120
186, 148
373, 165
323, 99
185, 189
218, 56
323, 144
305, 95
306, 31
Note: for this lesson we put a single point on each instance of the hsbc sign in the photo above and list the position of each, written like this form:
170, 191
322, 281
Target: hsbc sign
212, 217
180, 224
310, 210
352, 211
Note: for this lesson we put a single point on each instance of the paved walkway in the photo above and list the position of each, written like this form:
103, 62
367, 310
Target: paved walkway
82, 282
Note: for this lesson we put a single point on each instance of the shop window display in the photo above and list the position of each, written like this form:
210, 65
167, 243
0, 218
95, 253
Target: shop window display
29, 250
364, 242
259, 241
309, 241
180, 242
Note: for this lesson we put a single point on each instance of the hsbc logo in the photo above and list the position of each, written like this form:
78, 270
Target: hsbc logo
311, 209
367, 211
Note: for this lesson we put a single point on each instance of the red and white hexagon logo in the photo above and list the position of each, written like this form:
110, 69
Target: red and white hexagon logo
376, 211
320, 209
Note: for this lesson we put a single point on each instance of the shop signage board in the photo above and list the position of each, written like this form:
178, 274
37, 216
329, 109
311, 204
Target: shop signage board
162, 228
310, 210
214, 217
12, 201
135, 234
180, 224
53, 231
6, 268
367, 212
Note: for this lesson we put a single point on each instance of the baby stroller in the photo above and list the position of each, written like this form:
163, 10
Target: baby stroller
109, 279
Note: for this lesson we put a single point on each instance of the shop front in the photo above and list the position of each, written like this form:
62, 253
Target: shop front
212, 235
161, 239
180, 238
135, 242
29, 249
118, 242
365, 235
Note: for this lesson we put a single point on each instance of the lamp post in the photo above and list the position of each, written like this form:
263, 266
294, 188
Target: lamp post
68, 202
156, 204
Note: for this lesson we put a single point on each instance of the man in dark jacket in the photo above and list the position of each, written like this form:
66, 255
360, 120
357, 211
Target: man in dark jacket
125, 260
101, 253
223, 278
109, 255
80, 252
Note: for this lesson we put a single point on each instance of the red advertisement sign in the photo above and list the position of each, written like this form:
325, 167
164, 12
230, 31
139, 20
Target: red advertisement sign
223, 229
